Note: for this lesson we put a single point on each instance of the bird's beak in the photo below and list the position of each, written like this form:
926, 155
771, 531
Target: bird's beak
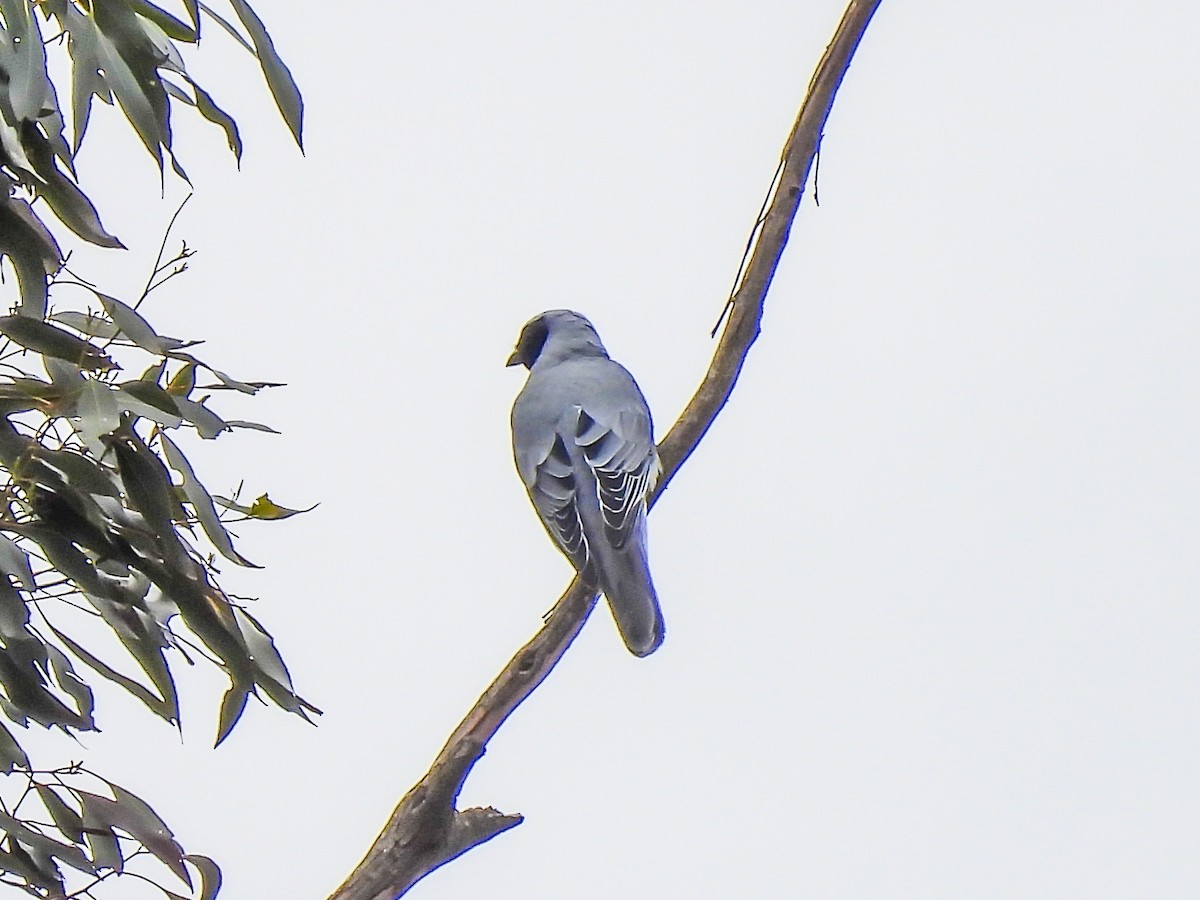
514, 359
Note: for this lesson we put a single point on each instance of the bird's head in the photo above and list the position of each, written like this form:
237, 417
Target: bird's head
559, 330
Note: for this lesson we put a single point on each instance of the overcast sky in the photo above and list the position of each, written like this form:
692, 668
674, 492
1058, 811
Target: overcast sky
931, 581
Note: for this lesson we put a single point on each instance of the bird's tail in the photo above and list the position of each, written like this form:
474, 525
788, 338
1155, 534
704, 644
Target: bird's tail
631, 597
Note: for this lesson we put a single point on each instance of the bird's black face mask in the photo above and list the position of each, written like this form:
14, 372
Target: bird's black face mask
529, 344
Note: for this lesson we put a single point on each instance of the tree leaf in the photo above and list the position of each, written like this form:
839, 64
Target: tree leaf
134, 816
15, 562
65, 557
262, 648
68, 202
224, 23
136, 328
11, 754
66, 819
106, 852
208, 424
233, 704
251, 426
263, 508
14, 613
210, 875
184, 381
148, 486
208, 108
166, 706
150, 401
113, 55
170, 25
76, 687
30, 246
202, 504
42, 337
23, 59
80, 471
89, 323
279, 77
98, 414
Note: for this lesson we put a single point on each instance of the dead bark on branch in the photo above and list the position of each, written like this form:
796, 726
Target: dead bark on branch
426, 831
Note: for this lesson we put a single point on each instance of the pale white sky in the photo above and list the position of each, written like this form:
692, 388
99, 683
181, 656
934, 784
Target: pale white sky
930, 582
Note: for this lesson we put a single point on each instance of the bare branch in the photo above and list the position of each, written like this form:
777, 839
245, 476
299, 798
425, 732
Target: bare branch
425, 830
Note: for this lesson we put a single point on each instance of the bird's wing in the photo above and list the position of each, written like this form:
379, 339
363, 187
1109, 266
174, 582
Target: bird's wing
625, 465
553, 489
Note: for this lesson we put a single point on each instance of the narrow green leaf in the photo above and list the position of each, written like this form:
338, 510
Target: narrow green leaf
30, 246
250, 426
279, 77
80, 471
13, 151
11, 754
166, 708
135, 327
172, 26
193, 9
30, 92
125, 60
225, 23
68, 202
208, 424
88, 323
244, 387
76, 687
202, 504
18, 862
210, 875
184, 381
14, 614
152, 395
148, 485
66, 819
98, 413
106, 852
65, 557
262, 648
134, 816
42, 337
233, 704
208, 108
15, 562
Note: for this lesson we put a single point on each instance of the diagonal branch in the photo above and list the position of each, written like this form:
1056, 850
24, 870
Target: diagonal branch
426, 831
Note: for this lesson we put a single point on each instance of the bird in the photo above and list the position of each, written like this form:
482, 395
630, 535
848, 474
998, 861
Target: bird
583, 443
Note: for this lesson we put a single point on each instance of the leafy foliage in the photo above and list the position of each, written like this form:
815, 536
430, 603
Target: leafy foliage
122, 50
62, 824
109, 541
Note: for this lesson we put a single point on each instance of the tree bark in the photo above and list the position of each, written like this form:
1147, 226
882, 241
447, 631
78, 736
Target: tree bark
425, 830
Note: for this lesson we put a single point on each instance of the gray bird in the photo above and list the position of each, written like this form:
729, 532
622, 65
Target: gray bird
584, 446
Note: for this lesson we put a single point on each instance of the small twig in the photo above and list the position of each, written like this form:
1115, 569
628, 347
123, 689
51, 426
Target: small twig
158, 259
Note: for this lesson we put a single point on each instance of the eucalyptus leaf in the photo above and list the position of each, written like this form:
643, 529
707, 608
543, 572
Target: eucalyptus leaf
210, 875
208, 424
135, 817
279, 77
15, 562
233, 704
135, 327
42, 337
65, 818
11, 754
202, 503
88, 323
